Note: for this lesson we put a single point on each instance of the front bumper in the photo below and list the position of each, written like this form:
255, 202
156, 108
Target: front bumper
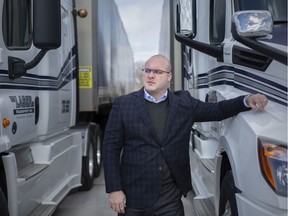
256, 208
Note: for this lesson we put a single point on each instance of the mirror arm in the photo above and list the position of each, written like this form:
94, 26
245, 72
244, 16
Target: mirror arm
214, 51
18, 67
276, 54
36, 60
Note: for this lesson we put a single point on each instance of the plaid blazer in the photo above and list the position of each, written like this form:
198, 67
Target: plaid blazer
133, 154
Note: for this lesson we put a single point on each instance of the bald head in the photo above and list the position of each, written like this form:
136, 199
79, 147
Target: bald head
161, 59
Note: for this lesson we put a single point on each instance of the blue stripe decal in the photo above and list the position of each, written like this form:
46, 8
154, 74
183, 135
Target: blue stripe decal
243, 80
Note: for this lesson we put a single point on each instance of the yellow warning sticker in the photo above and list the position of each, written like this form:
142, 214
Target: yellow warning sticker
85, 76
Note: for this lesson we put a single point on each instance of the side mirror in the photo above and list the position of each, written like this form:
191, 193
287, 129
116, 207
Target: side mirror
47, 24
185, 29
248, 26
186, 18
46, 35
253, 23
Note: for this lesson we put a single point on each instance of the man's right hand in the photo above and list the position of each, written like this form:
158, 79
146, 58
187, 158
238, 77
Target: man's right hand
257, 101
117, 201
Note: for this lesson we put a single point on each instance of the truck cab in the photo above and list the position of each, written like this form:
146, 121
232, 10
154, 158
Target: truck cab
60, 71
224, 49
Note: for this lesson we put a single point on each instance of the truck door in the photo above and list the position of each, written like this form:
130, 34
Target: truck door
17, 97
57, 76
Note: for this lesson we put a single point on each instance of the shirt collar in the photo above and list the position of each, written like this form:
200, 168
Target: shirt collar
150, 98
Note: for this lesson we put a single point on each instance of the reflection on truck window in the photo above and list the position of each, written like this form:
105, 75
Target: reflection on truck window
278, 8
16, 24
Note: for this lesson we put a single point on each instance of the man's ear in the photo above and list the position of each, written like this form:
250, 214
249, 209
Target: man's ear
170, 77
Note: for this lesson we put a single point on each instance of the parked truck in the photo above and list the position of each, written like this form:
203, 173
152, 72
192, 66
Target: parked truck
62, 63
221, 49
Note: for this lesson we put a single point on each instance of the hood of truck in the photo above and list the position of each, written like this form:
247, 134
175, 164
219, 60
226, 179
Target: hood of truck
270, 123
279, 36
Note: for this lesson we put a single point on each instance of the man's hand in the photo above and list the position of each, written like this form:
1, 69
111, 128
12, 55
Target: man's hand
257, 101
117, 201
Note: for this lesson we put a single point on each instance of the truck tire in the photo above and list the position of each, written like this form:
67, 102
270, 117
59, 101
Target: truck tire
98, 150
3, 204
88, 162
228, 205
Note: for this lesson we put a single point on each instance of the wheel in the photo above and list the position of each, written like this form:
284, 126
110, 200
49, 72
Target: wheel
98, 150
3, 204
88, 162
228, 205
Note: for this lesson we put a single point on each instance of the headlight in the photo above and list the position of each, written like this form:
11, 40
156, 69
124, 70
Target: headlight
273, 162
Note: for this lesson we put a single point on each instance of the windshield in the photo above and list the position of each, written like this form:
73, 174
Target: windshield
278, 8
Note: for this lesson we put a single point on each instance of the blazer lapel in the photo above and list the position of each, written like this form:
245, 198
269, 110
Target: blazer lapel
172, 113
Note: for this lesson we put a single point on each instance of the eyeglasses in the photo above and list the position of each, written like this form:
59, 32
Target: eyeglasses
154, 71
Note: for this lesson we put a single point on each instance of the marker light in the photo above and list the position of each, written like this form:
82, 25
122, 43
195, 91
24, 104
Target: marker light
5, 122
273, 162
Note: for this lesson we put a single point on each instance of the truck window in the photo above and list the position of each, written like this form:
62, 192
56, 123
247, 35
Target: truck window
278, 8
217, 21
16, 24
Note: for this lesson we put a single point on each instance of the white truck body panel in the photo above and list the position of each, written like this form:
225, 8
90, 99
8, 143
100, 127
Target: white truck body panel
232, 144
46, 134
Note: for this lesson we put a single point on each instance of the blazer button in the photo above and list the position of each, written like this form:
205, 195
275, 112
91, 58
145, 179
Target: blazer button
162, 148
160, 168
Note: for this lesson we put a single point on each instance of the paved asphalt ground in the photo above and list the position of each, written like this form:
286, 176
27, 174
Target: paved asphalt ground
94, 202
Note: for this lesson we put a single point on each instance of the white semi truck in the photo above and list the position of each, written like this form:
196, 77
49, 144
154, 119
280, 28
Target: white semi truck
221, 49
62, 63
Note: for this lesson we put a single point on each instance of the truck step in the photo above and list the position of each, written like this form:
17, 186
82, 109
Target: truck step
44, 210
199, 186
204, 206
31, 170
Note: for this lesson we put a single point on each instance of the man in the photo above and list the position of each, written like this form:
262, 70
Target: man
146, 143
